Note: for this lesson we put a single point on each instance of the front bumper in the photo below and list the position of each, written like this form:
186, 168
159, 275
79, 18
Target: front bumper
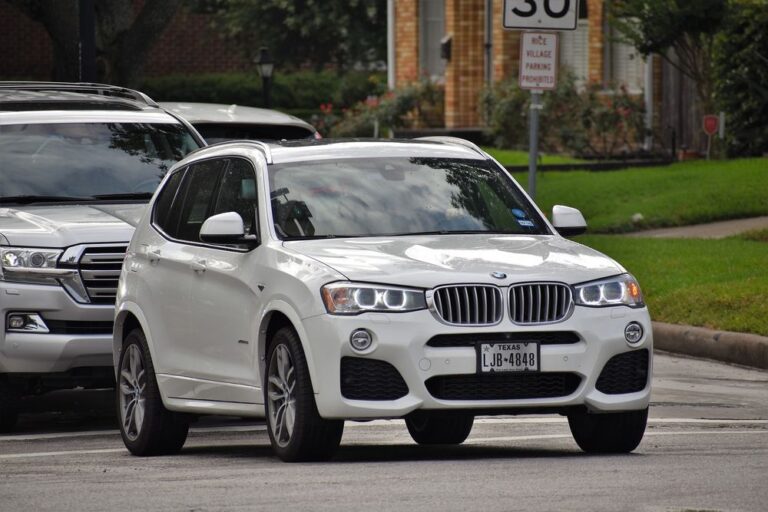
29, 353
401, 340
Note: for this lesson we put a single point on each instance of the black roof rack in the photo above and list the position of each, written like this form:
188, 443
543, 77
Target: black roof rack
82, 87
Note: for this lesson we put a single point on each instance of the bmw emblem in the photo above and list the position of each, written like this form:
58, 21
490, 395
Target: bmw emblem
499, 275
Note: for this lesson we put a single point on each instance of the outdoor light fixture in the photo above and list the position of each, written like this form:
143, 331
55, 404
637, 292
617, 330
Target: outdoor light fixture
265, 66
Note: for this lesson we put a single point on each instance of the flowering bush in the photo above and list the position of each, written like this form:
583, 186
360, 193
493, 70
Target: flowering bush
590, 122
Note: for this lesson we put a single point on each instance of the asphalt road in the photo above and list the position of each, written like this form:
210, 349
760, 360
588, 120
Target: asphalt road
706, 448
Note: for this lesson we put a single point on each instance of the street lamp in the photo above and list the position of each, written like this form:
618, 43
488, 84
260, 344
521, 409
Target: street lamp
265, 65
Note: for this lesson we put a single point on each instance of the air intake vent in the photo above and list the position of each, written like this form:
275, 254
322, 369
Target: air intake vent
469, 305
100, 270
539, 303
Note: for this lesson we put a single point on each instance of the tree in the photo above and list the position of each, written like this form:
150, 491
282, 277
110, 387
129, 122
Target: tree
686, 28
124, 37
741, 67
301, 32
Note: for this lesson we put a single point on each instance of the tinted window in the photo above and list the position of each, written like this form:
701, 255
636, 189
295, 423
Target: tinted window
213, 132
201, 182
237, 193
88, 159
397, 196
164, 216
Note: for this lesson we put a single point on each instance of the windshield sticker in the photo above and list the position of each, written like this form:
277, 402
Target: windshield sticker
517, 212
525, 223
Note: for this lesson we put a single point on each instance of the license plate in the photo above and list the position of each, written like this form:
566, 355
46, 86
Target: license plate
507, 357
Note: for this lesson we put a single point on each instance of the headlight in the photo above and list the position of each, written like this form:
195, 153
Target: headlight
353, 298
30, 265
613, 291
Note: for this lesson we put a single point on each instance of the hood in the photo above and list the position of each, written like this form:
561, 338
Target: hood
429, 261
59, 226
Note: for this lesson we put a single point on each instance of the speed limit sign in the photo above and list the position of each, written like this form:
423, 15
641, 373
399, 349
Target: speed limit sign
541, 14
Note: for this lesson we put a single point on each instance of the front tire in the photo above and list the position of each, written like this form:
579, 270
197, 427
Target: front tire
439, 427
146, 426
296, 430
618, 432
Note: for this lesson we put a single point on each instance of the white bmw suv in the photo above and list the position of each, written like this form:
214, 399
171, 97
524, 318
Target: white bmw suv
314, 282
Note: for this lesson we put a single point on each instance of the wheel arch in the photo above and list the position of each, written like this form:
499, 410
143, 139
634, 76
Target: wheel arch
129, 317
277, 315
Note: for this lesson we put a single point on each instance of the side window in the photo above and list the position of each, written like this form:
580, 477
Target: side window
202, 180
237, 193
164, 216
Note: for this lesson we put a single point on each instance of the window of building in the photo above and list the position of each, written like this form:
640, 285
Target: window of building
625, 65
431, 31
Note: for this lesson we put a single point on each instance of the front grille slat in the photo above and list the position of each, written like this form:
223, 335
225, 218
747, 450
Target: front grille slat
472, 339
539, 303
100, 268
469, 304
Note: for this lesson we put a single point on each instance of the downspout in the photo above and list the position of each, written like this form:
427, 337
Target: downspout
648, 146
391, 44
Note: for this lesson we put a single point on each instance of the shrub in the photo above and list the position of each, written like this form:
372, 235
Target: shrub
591, 122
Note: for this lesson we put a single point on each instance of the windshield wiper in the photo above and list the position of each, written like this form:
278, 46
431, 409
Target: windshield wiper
129, 195
29, 199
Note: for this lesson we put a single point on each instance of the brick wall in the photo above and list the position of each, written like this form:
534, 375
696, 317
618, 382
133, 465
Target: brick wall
596, 40
25, 48
188, 45
406, 42
464, 20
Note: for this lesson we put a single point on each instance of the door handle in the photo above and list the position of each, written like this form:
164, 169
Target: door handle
198, 266
153, 255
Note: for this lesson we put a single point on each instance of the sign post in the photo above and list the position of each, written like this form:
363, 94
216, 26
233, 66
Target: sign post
538, 56
710, 124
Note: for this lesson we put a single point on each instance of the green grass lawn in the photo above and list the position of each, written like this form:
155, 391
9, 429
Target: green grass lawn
719, 284
515, 157
675, 195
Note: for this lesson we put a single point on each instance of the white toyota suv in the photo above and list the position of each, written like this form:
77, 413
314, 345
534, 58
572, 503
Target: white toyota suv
78, 164
315, 282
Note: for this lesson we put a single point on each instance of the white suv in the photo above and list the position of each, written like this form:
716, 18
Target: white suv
315, 282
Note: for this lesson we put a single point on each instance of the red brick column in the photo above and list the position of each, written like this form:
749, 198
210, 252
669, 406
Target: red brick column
596, 40
464, 73
406, 42
506, 46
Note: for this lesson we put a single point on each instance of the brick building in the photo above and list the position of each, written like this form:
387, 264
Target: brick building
482, 52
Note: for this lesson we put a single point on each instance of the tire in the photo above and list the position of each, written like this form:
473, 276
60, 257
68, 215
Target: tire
296, 430
618, 432
146, 426
439, 427
9, 408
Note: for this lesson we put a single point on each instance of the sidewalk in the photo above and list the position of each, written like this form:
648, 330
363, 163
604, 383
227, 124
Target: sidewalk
729, 347
713, 230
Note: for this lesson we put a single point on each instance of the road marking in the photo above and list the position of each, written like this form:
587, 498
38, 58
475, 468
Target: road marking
480, 440
69, 452
380, 423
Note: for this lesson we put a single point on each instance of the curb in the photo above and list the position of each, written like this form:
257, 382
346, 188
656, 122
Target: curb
729, 347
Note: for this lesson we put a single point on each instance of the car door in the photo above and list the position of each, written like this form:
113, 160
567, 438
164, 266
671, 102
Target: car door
219, 320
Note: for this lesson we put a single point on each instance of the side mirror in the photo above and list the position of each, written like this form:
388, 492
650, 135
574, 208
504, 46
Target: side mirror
226, 228
568, 221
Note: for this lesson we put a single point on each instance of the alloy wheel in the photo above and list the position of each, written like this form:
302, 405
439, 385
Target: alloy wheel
281, 382
133, 384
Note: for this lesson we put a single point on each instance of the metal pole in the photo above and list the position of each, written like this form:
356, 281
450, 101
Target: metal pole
533, 145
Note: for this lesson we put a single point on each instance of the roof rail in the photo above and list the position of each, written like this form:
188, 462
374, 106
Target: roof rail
445, 139
84, 87
263, 146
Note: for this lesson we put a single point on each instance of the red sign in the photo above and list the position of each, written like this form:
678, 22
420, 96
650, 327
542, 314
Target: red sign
711, 124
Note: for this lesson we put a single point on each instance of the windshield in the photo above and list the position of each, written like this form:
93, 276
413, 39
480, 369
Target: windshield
84, 160
397, 196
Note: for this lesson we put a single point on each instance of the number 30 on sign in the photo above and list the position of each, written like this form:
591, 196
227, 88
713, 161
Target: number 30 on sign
541, 14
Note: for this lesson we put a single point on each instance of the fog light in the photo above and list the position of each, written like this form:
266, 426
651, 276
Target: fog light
633, 333
16, 322
26, 322
360, 339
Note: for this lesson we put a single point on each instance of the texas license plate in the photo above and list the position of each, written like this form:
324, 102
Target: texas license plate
507, 357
